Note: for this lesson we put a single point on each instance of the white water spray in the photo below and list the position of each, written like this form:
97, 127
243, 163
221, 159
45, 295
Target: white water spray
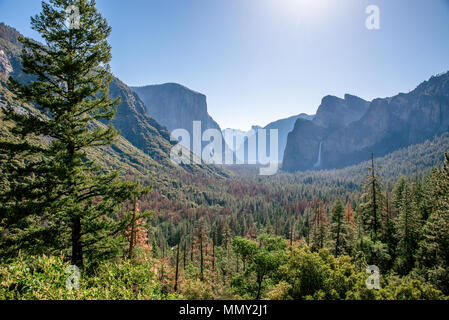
318, 162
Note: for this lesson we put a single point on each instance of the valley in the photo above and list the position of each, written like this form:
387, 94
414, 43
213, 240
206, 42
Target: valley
88, 180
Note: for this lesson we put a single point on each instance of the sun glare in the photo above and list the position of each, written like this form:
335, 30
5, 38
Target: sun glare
306, 10
305, 5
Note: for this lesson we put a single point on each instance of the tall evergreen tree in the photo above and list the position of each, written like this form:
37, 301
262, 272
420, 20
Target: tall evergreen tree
408, 230
434, 249
430, 193
340, 231
372, 205
398, 191
58, 197
349, 215
389, 236
319, 228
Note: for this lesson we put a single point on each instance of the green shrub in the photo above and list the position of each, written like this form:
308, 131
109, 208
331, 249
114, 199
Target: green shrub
44, 278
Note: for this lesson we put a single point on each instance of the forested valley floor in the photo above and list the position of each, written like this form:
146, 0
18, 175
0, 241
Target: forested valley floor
291, 236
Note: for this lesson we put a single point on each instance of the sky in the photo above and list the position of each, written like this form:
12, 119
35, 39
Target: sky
258, 61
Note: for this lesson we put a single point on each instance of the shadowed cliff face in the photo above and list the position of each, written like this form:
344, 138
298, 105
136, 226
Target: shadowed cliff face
387, 125
284, 127
335, 113
176, 107
303, 145
137, 126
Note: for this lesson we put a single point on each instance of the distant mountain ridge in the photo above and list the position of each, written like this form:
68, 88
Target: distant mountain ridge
284, 126
387, 125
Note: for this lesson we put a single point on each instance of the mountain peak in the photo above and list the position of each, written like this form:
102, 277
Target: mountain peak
9, 34
335, 112
168, 86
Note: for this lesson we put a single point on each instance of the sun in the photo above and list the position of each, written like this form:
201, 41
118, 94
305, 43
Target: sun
310, 11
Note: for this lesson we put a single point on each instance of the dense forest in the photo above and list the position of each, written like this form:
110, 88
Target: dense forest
80, 219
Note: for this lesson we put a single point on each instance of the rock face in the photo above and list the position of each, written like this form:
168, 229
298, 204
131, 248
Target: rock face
284, 126
387, 125
335, 113
10, 50
176, 107
137, 126
5, 65
303, 144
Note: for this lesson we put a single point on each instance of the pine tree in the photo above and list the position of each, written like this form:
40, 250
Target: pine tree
430, 193
177, 265
418, 195
349, 215
155, 249
58, 197
389, 236
434, 249
371, 208
340, 231
137, 234
398, 191
319, 229
408, 230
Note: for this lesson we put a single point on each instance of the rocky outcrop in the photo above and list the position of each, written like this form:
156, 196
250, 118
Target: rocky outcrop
5, 65
387, 125
307, 136
284, 127
10, 51
176, 107
137, 126
335, 113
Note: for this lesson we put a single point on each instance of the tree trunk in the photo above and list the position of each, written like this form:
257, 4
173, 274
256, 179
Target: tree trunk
374, 198
191, 250
201, 255
177, 269
185, 253
77, 246
291, 235
133, 231
213, 256
259, 287
337, 242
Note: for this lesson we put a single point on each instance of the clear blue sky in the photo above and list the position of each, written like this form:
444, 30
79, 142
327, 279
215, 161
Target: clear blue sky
261, 60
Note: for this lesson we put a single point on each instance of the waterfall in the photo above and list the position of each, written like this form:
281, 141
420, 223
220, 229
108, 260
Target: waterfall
318, 161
